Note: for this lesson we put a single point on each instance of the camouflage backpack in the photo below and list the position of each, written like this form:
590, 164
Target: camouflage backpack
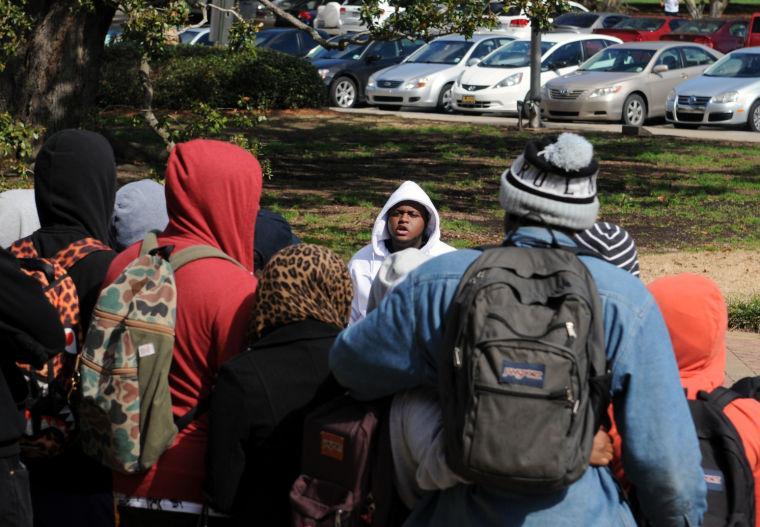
125, 411
50, 421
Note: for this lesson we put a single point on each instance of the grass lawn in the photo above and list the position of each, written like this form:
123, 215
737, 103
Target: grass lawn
333, 172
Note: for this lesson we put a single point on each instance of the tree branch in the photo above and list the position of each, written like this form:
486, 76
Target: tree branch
147, 105
310, 30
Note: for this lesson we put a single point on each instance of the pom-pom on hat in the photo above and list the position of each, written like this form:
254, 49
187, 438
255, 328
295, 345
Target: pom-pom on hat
554, 179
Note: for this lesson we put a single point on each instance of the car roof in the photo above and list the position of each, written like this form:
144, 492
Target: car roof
655, 44
278, 29
753, 50
569, 37
476, 37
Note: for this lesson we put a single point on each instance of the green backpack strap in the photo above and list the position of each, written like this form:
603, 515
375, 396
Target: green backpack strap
199, 252
149, 243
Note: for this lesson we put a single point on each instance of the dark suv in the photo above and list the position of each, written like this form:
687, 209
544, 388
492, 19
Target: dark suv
346, 71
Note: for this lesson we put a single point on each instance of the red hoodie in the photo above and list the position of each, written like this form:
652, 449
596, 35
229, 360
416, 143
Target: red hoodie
212, 197
697, 318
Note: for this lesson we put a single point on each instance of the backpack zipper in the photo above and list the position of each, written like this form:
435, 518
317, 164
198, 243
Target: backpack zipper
100, 369
147, 326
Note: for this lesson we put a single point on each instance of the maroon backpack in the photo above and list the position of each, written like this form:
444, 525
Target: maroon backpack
347, 472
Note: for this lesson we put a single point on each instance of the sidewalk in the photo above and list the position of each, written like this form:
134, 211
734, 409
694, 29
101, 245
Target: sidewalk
743, 357
704, 134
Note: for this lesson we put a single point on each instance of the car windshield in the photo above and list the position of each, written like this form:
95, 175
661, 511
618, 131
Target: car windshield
187, 36
701, 27
441, 52
576, 19
513, 55
619, 60
640, 24
262, 37
352, 51
745, 65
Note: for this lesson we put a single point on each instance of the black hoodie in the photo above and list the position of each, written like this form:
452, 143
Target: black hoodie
30, 332
75, 189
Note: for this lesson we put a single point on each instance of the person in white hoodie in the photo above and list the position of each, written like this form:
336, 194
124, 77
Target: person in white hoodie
408, 219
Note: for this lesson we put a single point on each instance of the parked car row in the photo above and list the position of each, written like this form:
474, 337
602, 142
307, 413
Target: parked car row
586, 77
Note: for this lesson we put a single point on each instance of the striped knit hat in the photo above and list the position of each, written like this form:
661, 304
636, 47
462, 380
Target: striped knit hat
554, 179
612, 243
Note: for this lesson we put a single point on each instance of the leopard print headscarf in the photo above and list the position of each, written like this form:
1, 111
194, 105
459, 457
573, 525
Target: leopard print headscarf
299, 282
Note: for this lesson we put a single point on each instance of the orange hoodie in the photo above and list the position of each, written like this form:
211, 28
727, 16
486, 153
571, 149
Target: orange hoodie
697, 319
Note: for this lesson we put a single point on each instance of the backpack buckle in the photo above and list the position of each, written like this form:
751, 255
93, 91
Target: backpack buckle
164, 251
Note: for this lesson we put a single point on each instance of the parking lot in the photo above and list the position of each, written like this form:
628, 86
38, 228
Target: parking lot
661, 128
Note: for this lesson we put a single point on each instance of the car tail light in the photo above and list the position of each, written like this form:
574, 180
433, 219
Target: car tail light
519, 22
305, 16
342, 10
638, 38
706, 41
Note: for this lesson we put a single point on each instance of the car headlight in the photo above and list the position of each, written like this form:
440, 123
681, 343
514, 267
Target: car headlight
729, 96
608, 90
512, 80
324, 73
417, 83
458, 82
671, 97
371, 82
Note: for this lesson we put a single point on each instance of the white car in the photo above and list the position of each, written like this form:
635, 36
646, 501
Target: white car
344, 16
426, 77
514, 21
502, 78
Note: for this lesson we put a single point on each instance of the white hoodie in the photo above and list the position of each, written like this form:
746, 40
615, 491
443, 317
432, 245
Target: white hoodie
366, 263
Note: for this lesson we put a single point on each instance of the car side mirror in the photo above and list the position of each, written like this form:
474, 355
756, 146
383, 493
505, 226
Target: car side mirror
374, 58
473, 62
660, 68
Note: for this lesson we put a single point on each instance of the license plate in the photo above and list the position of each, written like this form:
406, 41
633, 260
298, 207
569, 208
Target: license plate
468, 99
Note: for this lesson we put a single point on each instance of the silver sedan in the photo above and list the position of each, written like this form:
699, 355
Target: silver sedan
728, 93
628, 82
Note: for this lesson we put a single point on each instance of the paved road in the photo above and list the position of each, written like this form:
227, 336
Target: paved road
710, 134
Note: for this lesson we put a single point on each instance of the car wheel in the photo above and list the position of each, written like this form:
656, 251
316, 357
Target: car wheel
634, 110
444, 99
753, 120
685, 126
389, 108
343, 92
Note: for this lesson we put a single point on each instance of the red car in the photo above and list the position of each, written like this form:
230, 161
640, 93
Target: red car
722, 35
753, 36
643, 28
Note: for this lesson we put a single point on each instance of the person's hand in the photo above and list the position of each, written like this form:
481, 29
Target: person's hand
601, 450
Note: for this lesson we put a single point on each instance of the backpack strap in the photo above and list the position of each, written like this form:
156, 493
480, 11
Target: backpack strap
192, 414
720, 397
185, 256
199, 252
149, 243
73, 253
23, 248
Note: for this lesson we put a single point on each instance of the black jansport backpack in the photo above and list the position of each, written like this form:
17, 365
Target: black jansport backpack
729, 479
748, 387
522, 378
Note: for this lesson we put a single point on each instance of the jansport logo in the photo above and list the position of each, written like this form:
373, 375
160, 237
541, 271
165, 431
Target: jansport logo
331, 445
522, 373
714, 479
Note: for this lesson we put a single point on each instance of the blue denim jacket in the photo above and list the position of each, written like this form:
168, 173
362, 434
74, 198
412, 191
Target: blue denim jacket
398, 346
